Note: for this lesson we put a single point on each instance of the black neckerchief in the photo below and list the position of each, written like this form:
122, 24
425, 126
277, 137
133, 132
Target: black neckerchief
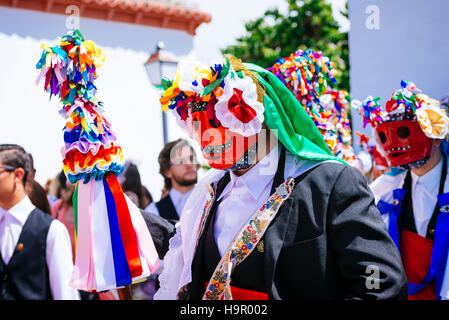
406, 220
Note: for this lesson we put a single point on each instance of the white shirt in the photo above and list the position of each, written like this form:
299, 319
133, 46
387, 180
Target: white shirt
424, 193
58, 247
179, 199
245, 194
424, 196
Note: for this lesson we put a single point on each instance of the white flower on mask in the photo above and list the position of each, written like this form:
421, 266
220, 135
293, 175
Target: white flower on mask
191, 74
238, 108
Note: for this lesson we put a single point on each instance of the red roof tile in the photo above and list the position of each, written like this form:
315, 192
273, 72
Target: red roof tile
154, 13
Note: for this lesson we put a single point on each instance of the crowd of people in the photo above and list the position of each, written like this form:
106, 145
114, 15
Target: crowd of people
286, 209
23, 195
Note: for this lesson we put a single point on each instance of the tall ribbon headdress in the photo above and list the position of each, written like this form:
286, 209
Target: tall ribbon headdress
113, 245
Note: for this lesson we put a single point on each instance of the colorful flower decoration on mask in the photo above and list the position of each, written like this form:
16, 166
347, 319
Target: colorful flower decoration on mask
371, 111
408, 103
113, 245
338, 123
308, 75
404, 132
228, 91
432, 119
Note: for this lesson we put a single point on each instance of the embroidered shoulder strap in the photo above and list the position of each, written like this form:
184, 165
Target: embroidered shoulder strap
245, 242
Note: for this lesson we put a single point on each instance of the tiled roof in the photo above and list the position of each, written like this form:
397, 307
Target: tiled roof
157, 13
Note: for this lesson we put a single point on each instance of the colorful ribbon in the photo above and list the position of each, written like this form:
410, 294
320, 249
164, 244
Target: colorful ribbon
394, 210
112, 243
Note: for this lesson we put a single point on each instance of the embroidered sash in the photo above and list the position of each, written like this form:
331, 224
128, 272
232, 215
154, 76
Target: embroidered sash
245, 241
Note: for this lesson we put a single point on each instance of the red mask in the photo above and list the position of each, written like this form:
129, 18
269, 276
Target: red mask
403, 142
379, 159
222, 148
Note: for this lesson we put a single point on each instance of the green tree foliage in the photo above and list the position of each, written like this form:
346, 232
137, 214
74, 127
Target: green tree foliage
308, 24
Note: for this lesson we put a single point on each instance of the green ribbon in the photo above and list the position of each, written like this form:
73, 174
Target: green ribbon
295, 130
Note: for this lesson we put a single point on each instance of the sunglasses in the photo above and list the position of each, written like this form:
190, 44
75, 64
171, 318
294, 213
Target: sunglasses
191, 160
8, 168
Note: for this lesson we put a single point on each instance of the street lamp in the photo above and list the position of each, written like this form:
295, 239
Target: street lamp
161, 64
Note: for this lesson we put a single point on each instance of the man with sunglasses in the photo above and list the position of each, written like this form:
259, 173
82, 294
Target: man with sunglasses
36, 256
179, 167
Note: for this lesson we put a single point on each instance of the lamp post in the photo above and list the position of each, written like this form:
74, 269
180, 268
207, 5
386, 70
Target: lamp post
161, 64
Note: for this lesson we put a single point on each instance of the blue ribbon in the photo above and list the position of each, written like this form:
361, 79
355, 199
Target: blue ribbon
394, 171
394, 210
439, 251
62, 54
122, 272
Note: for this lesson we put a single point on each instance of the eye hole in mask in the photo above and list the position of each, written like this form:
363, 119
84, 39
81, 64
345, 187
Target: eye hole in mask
383, 137
215, 123
403, 132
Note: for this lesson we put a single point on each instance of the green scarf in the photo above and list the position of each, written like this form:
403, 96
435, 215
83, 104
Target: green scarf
295, 130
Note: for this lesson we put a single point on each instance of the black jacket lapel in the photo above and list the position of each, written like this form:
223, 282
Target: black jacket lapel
274, 237
273, 242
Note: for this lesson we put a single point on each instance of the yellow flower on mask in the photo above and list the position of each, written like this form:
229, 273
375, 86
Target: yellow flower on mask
171, 92
432, 119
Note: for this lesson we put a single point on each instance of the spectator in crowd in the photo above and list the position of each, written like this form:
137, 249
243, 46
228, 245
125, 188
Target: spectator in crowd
51, 198
54, 189
132, 184
38, 196
147, 199
179, 166
35, 191
36, 258
62, 209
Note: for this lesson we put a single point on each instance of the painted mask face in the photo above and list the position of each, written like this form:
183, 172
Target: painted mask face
379, 160
222, 148
404, 142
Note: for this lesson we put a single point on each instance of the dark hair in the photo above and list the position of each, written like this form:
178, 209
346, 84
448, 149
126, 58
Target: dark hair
164, 158
15, 156
133, 182
146, 193
38, 197
62, 180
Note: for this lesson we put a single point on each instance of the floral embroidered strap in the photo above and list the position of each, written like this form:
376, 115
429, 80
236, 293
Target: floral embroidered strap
244, 243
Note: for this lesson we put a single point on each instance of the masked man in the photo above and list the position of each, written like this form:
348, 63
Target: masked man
413, 197
277, 216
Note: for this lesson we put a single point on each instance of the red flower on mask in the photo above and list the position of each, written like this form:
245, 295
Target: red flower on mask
239, 108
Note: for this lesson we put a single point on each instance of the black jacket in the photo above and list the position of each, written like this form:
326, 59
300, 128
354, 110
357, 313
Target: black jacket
161, 231
329, 238
327, 242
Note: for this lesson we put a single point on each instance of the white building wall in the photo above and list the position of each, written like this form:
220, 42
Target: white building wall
394, 40
28, 118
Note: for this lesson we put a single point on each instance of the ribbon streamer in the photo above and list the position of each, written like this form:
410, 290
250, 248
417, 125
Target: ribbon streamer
113, 246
